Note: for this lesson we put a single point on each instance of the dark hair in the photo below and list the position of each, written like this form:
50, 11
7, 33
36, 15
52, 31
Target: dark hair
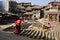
48, 23
43, 25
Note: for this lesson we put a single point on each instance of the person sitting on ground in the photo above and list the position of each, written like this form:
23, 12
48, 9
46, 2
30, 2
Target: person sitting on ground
48, 26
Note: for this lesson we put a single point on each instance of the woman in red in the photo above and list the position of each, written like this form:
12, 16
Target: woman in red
18, 26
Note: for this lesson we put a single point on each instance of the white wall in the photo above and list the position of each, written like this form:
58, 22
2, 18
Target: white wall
6, 5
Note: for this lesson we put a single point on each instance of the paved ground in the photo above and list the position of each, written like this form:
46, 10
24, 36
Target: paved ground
11, 36
56, 28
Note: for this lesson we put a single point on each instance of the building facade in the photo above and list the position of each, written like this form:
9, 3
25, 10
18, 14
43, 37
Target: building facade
28, 10
52, 11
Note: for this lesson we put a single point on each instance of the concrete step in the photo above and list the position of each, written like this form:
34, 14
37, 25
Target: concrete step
39, 34
53, 36
43, 35
49, 36
23, 32
46, 35
26, 32
32, 34
29, 33
36, 34
37, 24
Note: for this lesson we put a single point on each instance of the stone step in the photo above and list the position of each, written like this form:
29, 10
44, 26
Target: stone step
36, 34
29, 33
49, 36
42, 35
32, 34
23, 32
26, 32
37, 24
46, 35
56, 35
39, 34
52, 34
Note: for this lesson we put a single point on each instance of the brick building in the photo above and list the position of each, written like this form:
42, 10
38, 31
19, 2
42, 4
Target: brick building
52, 11
28, 10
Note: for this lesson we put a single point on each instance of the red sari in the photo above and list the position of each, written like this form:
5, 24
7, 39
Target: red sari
18, 26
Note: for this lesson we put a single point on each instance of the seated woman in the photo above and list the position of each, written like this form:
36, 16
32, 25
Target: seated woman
48, 26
